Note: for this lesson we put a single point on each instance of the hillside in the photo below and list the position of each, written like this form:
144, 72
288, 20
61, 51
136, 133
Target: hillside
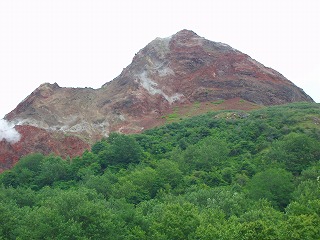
228, 174
170, 73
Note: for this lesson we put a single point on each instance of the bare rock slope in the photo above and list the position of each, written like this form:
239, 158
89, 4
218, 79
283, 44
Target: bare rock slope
174, 71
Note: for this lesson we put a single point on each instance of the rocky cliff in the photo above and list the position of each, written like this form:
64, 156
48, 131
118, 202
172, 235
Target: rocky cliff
169, 72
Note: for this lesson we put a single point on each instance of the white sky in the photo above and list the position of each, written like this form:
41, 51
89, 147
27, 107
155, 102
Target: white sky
85, 43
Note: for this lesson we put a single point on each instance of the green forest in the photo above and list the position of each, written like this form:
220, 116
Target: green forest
222, 175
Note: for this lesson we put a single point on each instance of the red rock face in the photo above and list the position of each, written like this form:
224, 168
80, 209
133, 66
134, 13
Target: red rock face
167, 73
34, 140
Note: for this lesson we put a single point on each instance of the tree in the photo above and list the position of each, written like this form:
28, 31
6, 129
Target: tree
24, 172
52, 170
9, 219
302, 227
274, 185
306, 199
169, 173
174, 221
139, 185
261, 221
71, 214
120, 150
206, 154
296, 151
31, 162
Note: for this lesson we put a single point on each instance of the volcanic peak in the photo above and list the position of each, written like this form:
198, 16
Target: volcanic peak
169, 73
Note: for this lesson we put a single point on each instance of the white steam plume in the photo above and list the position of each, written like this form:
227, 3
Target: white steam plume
7, 132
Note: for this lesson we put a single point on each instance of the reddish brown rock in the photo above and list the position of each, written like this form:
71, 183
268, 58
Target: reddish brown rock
168, 72
34, 140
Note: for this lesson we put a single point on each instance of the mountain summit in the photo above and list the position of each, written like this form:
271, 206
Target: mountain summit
169, 72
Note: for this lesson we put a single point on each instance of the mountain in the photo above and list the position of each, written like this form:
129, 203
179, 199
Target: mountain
168, 74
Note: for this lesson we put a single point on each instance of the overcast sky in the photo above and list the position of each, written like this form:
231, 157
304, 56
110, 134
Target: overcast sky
86, 43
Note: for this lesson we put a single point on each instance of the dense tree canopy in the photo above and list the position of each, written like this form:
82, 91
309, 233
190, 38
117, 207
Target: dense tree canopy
223, 175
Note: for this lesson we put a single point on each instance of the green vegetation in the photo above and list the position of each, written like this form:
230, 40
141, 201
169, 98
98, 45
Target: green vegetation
218, 102
223, 175
173, 117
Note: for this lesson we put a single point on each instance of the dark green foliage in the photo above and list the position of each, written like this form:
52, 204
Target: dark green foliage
52, 171
206, 154
296, 151
169, 173
118, 150
174, 221
24, 171
223, 175
275, 185
139, 185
